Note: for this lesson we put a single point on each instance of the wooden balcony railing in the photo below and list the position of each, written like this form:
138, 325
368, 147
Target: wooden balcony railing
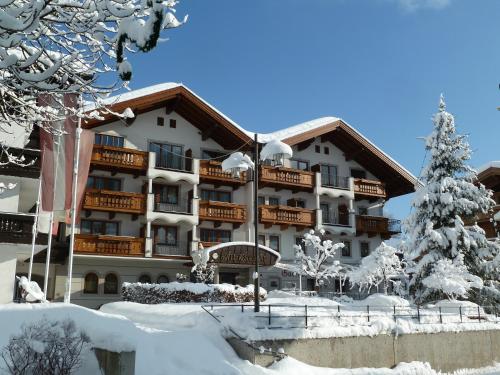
15, 228
109, 245
369, 189
286, 216
286, 178
119, 159
114, 201
222, 212
211, 172
374, 225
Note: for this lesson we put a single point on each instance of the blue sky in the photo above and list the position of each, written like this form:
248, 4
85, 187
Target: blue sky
378, 64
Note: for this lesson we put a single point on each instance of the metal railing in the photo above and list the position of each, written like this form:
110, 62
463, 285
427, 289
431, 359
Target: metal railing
286, 316
394, 226
184, 206
339, 182
178, 248
333, 218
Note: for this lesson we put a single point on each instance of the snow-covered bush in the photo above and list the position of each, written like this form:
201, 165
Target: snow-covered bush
382, 266
445, 257
30, 290
188, 292
315, 258
46, 347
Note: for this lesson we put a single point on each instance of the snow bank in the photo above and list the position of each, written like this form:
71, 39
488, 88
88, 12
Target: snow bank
381, 300
188, 292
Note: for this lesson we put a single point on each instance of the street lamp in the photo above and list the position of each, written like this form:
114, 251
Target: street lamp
238, 162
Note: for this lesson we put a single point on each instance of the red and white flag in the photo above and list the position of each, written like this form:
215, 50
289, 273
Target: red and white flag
57, 145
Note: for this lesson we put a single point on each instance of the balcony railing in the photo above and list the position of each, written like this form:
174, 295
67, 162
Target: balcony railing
171, 249
173, 162
333, 218
286, 178
184, 206
285, 216
332, 181
373, 225
211, 172
119, 159
369, 189
15, 228
109, 245
114, 201
222, 212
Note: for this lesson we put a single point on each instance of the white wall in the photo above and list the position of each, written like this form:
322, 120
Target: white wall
8, 277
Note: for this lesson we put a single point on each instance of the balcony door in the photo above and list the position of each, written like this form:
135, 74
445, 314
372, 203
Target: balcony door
343, 214
166, 197
329, 175
167, 155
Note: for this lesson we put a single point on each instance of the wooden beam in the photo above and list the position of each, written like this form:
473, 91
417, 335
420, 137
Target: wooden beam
350, 156
172, 105
207, 133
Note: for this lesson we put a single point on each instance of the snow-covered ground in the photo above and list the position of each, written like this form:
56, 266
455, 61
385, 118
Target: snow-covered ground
182, 338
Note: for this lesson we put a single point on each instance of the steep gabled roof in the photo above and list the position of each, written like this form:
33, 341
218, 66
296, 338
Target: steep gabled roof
214, 124
489, 175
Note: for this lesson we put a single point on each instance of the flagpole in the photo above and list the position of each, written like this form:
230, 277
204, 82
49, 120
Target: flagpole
76, 160
35, 227
51, 221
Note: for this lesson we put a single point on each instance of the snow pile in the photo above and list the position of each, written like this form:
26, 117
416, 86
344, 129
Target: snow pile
31, 291
188, 292
382, 300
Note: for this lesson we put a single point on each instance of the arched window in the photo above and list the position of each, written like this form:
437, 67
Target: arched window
162, 279
91, 283
145, 279
111, 284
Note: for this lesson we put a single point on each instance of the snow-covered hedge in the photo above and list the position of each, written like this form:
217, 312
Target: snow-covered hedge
188, 292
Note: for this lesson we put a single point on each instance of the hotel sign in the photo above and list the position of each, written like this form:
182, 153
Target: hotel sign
242, 255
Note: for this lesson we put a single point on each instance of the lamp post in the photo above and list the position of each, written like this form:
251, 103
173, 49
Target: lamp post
238, 162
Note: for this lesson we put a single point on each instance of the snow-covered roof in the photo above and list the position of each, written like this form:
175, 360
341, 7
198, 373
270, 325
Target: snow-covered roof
491, 164
282, 134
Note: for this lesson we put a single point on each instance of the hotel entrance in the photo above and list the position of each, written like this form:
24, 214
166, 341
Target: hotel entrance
234, 276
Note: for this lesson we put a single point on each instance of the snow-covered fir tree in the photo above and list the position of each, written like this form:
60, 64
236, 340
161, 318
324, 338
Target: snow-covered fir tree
381, 266
315, 258
202, 271
446, 258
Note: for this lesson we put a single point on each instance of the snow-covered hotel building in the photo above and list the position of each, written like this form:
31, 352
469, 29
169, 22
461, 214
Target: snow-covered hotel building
489, 176
156, 191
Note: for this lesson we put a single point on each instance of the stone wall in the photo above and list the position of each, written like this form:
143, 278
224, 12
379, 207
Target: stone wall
445, 351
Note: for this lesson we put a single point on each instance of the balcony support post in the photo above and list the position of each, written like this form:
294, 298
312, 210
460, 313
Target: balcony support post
149, 241
256, 224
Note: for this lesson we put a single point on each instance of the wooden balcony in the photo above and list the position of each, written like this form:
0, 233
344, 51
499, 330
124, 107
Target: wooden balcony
109, 245
211, 173
114, 201
119, 159
286, 216
377, 225
16, 228
369, 189
222, 212
286, 178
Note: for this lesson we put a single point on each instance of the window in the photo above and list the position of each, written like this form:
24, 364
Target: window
145, 279
364, 248
346, 250
104, 183
362, 211
162, 279
215, 235
299, 164
165, 235
91, 283
167, 155
261, 200
294, 202
358, 173
317, 149
326, 150
325, 213
173, 123
99, 227
274, 242
108, 140
262, 239
329, 176
166, 194
216, 195
274, 201
160, 121
111, 284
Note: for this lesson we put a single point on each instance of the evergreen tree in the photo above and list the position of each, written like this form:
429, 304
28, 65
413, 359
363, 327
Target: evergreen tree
445, 257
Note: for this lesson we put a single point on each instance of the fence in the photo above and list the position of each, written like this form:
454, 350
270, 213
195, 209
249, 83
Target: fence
280, 316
